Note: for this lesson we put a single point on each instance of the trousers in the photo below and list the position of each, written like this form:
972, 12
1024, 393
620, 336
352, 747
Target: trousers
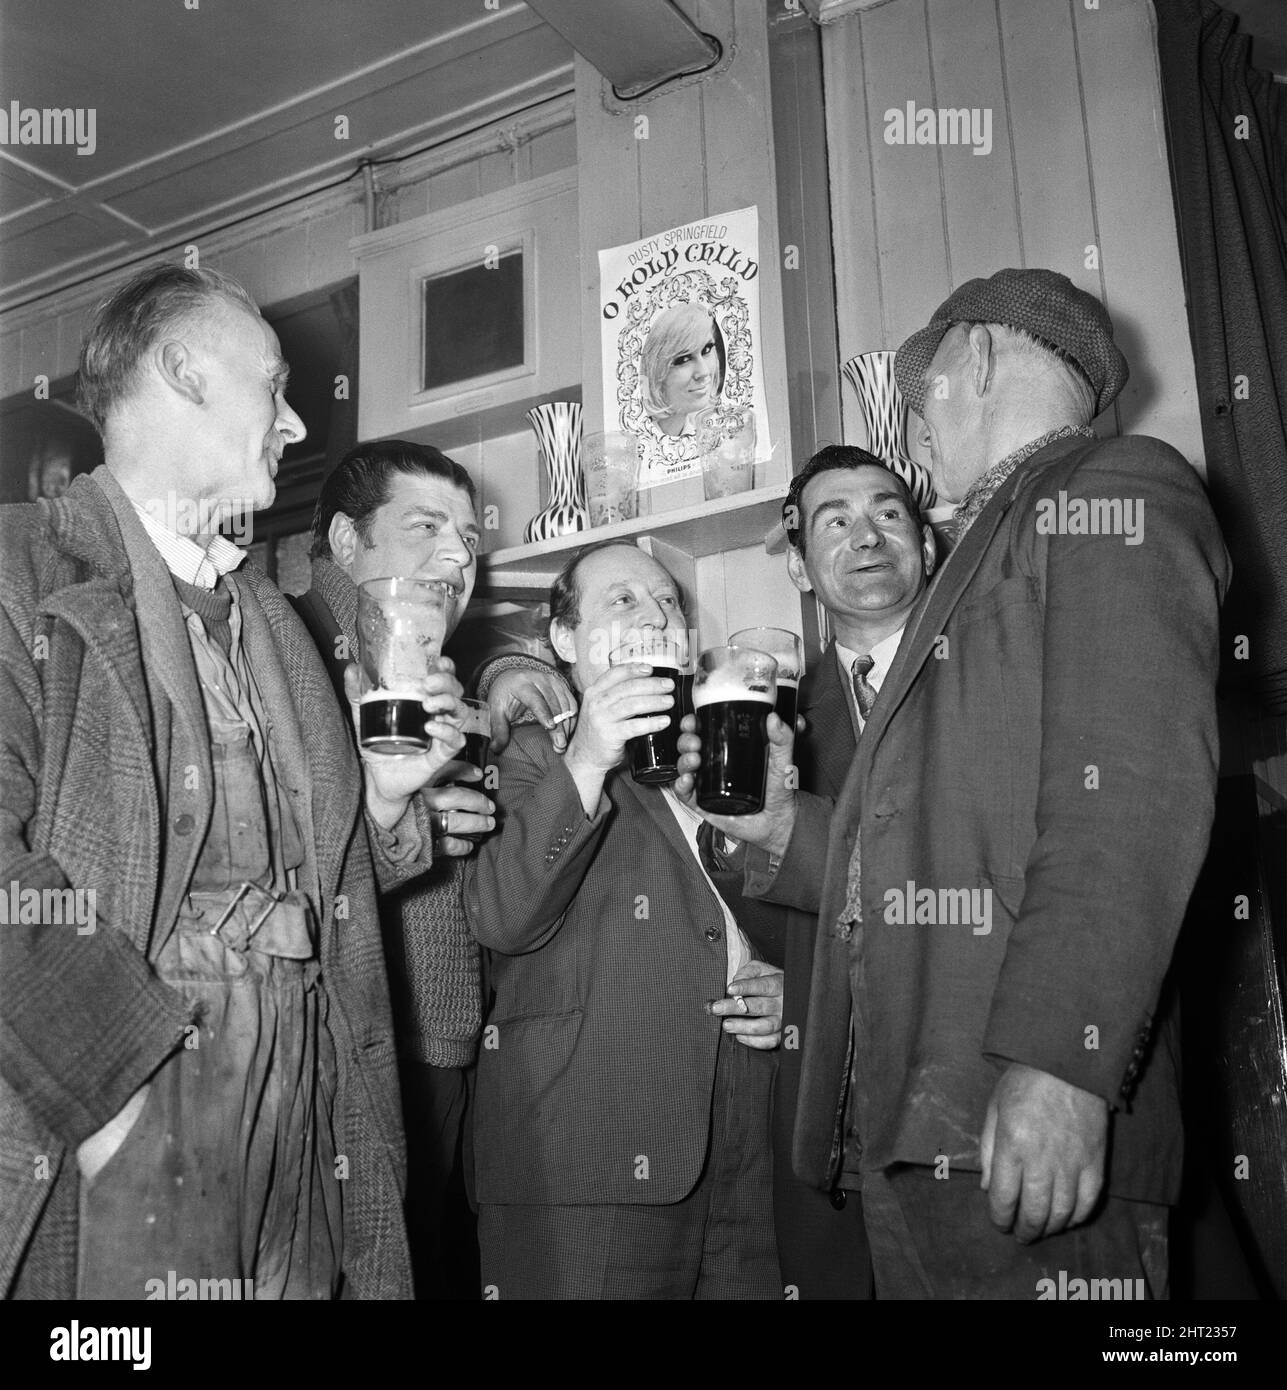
228, 1177
717, 1243
932, 1238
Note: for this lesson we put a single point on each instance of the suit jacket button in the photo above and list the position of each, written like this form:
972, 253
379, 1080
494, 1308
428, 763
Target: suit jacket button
838, 1198
712, 933
184, 824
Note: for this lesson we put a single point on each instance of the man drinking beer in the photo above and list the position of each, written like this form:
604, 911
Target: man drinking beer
621, 1134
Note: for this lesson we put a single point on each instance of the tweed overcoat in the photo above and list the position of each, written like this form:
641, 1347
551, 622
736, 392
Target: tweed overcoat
105, 784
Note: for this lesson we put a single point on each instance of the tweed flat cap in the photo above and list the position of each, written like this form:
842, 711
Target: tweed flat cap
1041, 302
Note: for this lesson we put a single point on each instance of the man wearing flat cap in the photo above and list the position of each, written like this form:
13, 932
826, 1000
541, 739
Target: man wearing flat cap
1001, 880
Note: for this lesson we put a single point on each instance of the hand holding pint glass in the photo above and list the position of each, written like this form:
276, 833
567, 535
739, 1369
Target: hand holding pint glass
654, 758
734, 689
401, 627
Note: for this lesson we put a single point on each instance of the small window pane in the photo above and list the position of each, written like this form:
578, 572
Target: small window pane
472, 322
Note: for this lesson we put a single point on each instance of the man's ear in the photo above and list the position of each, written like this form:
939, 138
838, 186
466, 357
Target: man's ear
562, 642
982, 357
343, 538
178, 368
795, 569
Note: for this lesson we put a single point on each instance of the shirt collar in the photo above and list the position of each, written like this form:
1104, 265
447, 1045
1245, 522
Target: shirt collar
185, 559
882, 655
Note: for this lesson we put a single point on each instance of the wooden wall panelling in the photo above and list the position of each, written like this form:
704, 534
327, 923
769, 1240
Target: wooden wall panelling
979, 196
804, 223
861, 322
1047, 125
709, 150
607, 214
907, 182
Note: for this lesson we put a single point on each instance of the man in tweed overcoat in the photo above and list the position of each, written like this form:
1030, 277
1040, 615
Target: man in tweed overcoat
204, 1084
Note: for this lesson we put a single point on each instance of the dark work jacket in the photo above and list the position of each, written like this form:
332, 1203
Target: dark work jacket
1047, 735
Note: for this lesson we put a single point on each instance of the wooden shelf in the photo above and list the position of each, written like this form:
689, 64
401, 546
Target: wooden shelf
731, 523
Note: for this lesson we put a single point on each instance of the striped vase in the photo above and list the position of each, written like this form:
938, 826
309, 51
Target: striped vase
558, 432
871, 374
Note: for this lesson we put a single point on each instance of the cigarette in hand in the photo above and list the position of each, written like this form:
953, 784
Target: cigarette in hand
563, 718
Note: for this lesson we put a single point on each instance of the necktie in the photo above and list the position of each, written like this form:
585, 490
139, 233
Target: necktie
706, 848
864, 691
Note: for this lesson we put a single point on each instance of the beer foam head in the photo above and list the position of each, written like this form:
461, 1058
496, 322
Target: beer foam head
725, 685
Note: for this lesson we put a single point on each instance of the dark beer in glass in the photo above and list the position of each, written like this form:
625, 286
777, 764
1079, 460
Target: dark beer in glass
654, 758
788, 651
734, 689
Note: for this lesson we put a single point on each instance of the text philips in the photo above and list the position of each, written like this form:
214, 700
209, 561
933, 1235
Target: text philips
50, 125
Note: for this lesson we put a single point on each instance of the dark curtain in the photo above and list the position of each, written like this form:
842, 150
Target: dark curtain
1226, 126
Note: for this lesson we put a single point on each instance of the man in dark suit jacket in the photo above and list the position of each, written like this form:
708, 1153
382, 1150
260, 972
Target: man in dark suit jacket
859, 545
1008, 863
621, 1130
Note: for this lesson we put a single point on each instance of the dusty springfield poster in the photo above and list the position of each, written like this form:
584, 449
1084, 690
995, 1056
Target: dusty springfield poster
681, 344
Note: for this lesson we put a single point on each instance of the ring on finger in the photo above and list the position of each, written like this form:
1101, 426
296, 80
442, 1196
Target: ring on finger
740, 1004
440, 825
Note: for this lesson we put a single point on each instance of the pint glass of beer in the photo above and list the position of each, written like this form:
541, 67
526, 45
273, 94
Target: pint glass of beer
788, 651
401, 626
733, 693
477, 729
654, 758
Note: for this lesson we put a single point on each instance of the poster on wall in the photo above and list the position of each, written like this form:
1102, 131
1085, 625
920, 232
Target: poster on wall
682, 362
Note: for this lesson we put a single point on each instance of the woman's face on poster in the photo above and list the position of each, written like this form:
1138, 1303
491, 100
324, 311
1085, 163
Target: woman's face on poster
691, 383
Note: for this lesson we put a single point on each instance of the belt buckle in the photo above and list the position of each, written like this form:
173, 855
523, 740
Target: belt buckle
243, 892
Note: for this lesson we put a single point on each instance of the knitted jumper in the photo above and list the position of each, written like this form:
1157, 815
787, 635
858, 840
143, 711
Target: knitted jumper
432, 957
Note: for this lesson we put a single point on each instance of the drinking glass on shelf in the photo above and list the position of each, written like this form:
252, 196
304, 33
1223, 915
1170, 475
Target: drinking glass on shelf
726, 445
401, 626
610, 467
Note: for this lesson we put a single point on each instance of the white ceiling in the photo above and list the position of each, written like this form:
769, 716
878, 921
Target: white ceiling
204, 115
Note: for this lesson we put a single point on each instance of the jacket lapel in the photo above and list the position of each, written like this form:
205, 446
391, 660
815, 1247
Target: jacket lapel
830, 741
167, 651
937, 606
653, 803
325, 777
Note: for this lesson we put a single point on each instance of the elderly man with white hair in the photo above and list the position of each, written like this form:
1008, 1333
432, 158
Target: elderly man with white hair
991, 1054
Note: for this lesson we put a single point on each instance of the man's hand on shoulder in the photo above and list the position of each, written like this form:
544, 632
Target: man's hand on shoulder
1043, 1150
535, 690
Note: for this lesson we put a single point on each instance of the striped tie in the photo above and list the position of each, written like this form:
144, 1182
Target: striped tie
864, 691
